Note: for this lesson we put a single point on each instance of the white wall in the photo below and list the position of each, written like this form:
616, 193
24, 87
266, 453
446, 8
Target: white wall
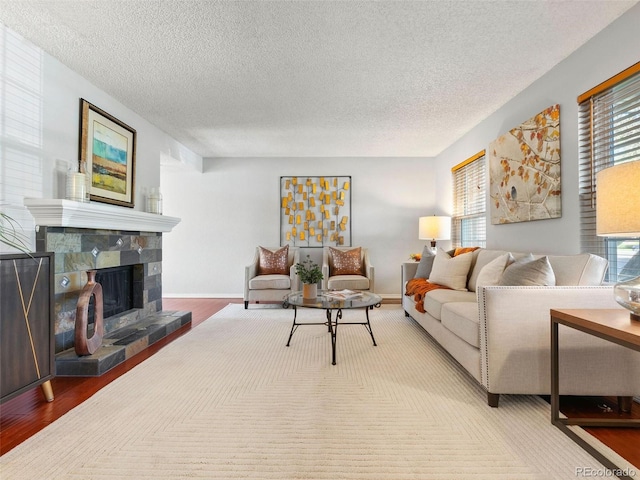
234, 206
54, 145
608, 53
62, 90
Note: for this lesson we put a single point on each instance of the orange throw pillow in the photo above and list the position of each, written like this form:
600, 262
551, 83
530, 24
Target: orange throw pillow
461, 250
273, 263
345, 262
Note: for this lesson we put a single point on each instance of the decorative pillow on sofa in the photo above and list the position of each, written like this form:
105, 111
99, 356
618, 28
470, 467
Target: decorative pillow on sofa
451, 271
273, 263
461, 250
528, 272
345, 262
492, 272
426, 263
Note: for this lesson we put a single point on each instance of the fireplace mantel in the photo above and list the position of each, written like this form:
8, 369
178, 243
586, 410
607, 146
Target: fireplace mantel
100, 216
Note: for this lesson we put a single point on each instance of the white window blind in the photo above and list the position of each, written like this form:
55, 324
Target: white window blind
609, 134
469, 222
20, 128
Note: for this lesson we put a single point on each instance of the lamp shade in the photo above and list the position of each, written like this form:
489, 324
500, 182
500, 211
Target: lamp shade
434, 228
618, 202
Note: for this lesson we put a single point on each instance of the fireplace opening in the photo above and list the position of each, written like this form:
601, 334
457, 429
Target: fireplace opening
117, 291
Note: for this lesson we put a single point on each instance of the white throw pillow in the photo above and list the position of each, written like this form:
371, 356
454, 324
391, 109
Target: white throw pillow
451, 271
491, 273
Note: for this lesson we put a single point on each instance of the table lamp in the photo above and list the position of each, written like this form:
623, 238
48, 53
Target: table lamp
434, 228
618, 215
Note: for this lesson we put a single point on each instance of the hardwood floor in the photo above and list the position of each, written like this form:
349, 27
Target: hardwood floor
27, 414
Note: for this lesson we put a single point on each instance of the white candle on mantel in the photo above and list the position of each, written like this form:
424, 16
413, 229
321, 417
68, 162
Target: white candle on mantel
76, 186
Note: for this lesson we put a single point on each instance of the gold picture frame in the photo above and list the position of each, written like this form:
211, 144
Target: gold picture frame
107, 155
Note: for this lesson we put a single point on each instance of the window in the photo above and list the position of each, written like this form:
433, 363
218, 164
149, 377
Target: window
20, 128
609, 133
469, 223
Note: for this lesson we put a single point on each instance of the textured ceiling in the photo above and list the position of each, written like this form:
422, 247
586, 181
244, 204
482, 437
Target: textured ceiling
311, 78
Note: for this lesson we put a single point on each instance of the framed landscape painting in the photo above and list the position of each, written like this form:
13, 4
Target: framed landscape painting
107, 155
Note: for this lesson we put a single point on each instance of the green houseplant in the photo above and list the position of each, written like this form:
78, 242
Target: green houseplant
308, 271
310, 274
11, 235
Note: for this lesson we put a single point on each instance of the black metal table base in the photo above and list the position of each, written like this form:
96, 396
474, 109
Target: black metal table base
333, 326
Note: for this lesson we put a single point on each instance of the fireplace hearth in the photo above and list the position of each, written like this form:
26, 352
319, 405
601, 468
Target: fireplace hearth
121, 344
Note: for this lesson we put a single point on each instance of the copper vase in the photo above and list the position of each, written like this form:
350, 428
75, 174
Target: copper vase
84, 345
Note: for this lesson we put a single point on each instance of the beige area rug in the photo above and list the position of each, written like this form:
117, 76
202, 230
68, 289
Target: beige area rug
229, 400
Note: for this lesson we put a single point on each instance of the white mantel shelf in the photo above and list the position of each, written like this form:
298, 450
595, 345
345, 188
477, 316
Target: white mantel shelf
100, 216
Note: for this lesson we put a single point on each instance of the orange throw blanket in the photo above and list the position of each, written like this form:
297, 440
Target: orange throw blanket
418, 287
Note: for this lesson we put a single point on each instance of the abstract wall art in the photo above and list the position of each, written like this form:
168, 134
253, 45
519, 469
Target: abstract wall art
524, 171
107, 156
315, 211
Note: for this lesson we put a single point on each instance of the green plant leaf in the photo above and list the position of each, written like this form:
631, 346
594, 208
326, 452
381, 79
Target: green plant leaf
308, 271
11, 234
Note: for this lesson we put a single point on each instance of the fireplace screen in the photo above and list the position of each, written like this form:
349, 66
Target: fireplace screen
117, 290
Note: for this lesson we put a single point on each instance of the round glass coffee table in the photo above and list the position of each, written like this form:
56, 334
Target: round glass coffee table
331, 303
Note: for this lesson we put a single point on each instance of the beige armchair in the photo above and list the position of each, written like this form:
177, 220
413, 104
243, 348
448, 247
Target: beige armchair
347, 267
271, 275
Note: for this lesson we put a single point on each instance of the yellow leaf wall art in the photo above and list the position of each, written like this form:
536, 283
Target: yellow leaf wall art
524, 171
322, 207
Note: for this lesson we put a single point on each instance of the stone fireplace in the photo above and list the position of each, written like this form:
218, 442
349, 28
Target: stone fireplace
89, 236
78, 250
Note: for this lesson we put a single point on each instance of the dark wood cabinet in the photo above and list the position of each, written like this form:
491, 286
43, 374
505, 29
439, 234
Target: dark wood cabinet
27, 341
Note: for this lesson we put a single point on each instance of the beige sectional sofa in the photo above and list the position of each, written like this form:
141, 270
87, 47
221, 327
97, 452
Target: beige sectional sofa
501, 334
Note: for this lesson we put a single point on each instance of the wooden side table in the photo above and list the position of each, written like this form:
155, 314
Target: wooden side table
613, 325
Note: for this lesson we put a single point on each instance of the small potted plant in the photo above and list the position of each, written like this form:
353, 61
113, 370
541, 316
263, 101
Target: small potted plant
310, 274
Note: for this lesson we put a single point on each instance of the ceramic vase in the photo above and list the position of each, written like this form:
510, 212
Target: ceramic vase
84, 345
309, 290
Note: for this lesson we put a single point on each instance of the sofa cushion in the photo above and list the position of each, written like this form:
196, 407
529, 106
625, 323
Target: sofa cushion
483, 257
345, 262
451, 271
273, 263
264, 282
426, 263
350, 282
461, 318
581, 269
529, 272
492, 272
435, 299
